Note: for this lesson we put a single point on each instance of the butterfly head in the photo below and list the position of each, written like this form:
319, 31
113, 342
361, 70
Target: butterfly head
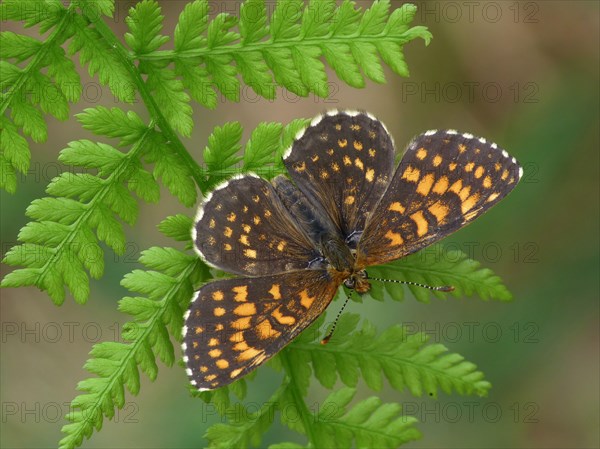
358, 281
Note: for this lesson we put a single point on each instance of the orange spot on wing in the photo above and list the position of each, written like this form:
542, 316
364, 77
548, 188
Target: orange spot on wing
215, 353
487, 182
281, 319
492, 197
479, 171
437, 160
469, 203
275, 291
248, 354
358, 146
265, 330
222, 363
397, 207
456, 187
219, 311
425, 184
246, 308
421, 223
241, 323
411, 174
464, 193
439, 211
395, 238
421, 153
250, 253
218, 295
441, 185
306, 300
241, 293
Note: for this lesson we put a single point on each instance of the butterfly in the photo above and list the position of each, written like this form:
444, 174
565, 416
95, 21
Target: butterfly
345, 206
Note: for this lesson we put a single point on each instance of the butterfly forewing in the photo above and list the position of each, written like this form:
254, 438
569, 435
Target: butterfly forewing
234, 325
343, 162
444, 181
244, 228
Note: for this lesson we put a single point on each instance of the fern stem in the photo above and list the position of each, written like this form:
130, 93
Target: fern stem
303, 411
38, 59
197, 172
169, 55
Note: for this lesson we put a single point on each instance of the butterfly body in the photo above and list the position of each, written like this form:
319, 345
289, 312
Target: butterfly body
294, 242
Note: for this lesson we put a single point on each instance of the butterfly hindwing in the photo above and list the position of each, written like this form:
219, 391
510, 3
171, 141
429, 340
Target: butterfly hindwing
444, 181
243, 228
343, 162
234, 325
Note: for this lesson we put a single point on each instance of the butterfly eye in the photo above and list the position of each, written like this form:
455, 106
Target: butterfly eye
363, 274
350, 282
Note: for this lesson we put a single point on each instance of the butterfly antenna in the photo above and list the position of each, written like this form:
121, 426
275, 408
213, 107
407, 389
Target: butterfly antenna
443, 288
330, 333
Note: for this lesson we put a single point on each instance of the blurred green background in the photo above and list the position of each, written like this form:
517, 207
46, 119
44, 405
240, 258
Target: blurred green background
524, 74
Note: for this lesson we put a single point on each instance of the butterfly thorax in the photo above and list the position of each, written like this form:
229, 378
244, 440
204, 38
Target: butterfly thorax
339, 258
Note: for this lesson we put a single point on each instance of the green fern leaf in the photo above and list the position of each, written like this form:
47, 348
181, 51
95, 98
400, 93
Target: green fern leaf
370, 423
263, 147
177, 227
247, 431
436, 266
114, 122
221, 154
287, 46
101, 58
145, 23
405, 360
83, 210
155, 316
105, 7
253, 21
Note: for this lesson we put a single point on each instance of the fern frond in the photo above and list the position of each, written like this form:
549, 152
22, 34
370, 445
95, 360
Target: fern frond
437, 266
248, 429
405, 360
285, 49
60, 247
370, 423
157, 315
27, 93
262, 154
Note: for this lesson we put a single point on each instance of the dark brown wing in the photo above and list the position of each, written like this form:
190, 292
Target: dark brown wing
343, 163
243, 228
445, 180
235, 325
